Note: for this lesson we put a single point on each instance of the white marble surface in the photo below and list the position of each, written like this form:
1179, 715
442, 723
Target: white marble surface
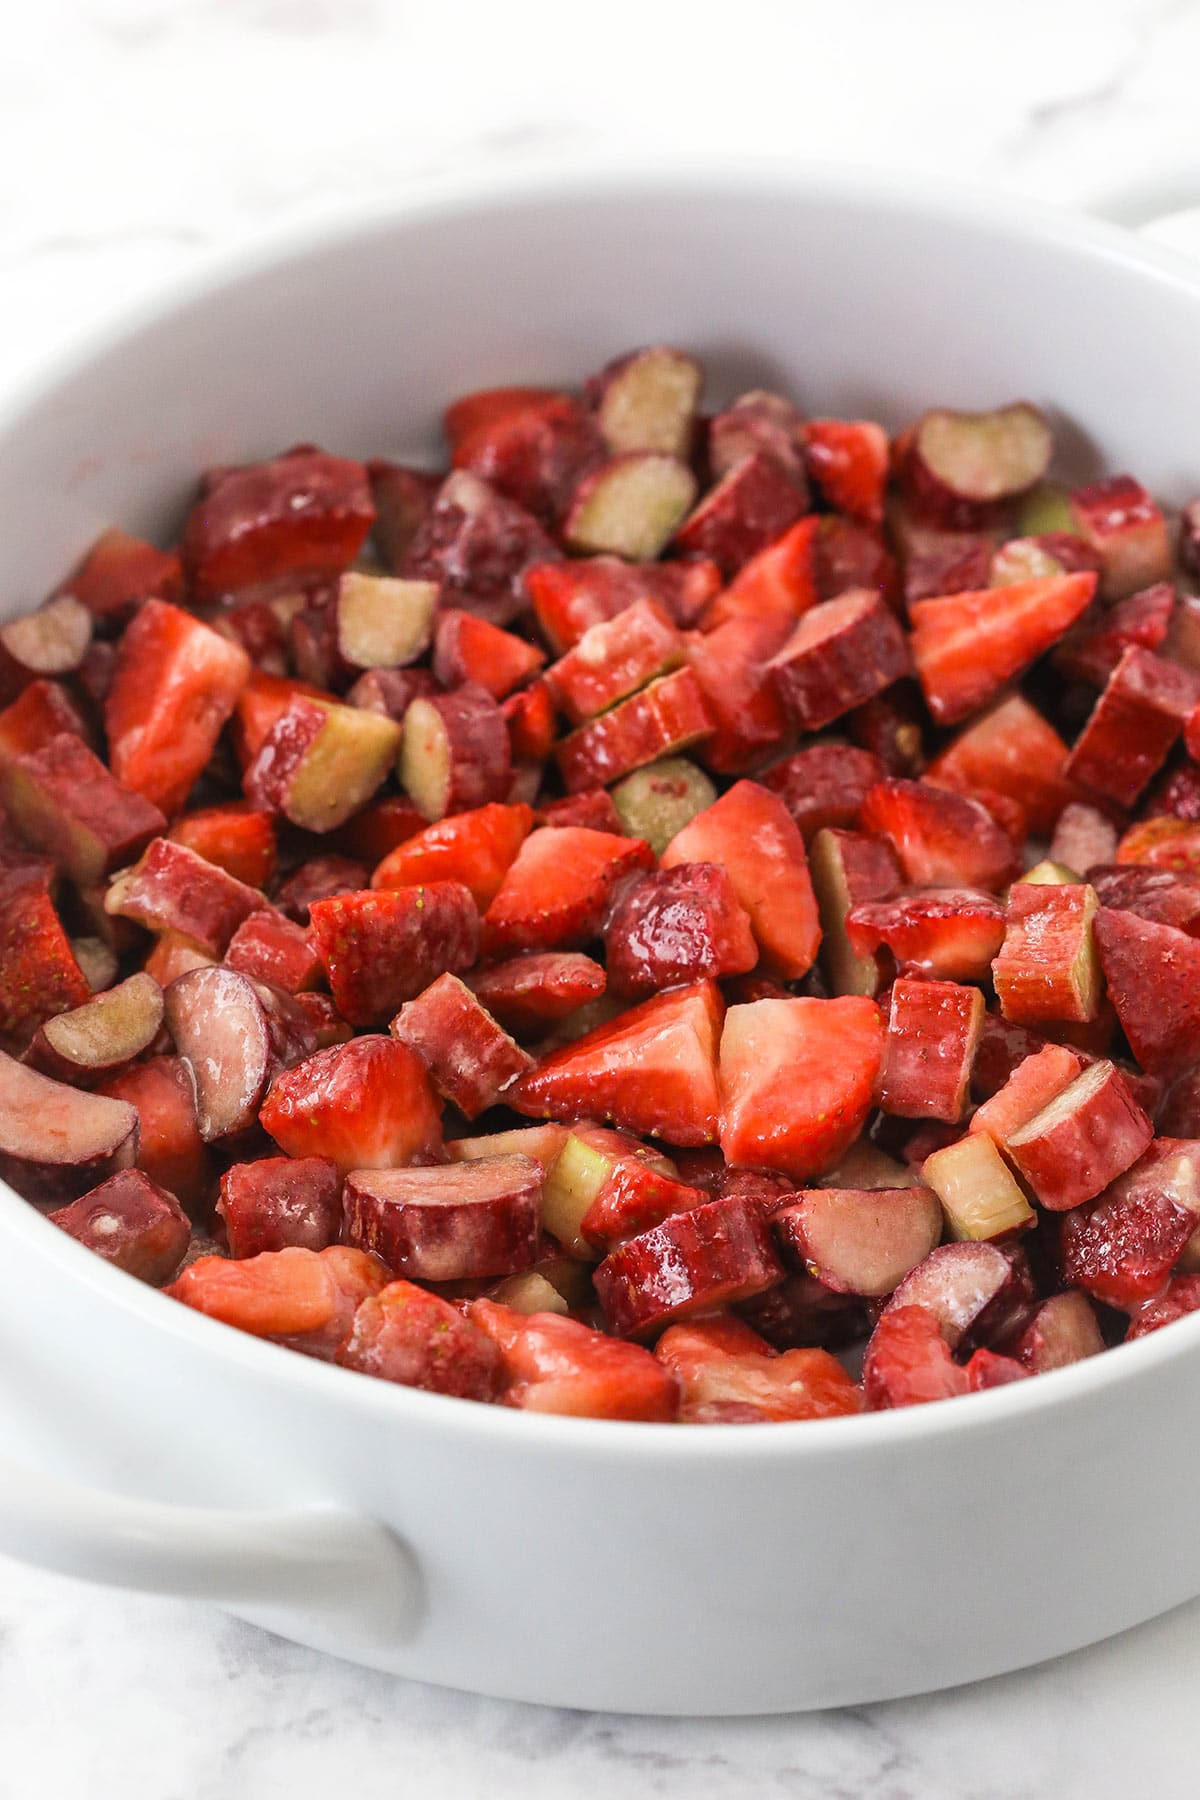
136, 138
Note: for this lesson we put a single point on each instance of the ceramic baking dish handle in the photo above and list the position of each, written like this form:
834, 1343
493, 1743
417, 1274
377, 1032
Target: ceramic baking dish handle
314, 1561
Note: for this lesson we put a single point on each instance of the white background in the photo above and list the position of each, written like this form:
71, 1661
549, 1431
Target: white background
139, 137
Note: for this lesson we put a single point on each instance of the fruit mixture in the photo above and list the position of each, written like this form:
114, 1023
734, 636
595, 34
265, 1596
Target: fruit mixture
684, 916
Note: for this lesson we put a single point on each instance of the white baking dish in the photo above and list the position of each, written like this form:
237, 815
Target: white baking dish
635, 1567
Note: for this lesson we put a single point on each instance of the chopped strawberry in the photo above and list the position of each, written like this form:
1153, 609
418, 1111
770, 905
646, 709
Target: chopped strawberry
170, 1148
593, 808
271, 948
238, 838
556, 1365
908, 1362
569, 598
1091, 651
382, 948
556, 893
366, 1104
680, 923
720, 1361
797, 1080
839, 655
942, 839
750, 834
933, 1031
948, 934
531, 444
1122, 1248
307, 1297
848, 461
39, 975
730, 664
469, 649
1157, 894
174, 685
651, 1070
381, 827
1133, 725
532, 723
967, 647
120, 572
42, 711
989, 1369
529, 994
407, 1335
281, 1202
1176, 794
1012, 749
1153, 977
470, 1058
1172, 844
824, 785
1180, 1297
476, 848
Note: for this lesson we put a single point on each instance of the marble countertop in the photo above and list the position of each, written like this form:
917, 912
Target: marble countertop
138, 137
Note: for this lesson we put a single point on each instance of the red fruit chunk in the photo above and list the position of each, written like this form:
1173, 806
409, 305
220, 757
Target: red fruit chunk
648, 400
1172, 844
403, 499
556, 1365
1094, 648
1062, 1331
131, 1222
454, 1222
237, 838
324, 1020
381, 949
890, 726
942, 839
679, 924
119, 572
455, 755
1180, 1297
234, 1035
974, 1292
39, 974
56, 1142
531, 993
932, 1034
750, 834
169, 1149
839, 655
936, 561
797, 1081
759, 423
722, 1364
556, 892
569, 598
968, 646
378, 829
1157, 894
594, 809
780, 583
366, 1104
1122, 1249
484, 407
388, 692
407, 1335
270, 948
1037, 1079
1087, 1135
477, 545
1176, 795
908, 1362
64, 802
717, 1253
662, 719
960, 464
320, 762
281, 1202
1119, 521
625, 1189
987, 1369
751, 506
824, 785
1153, 978
174, 685
320, 878
1047, 968
306, 1297
475, 848
730, 664
1082, 838
848, 461
530, 445
299, 518
41, 712
1133, 725
470, 1058
613, 659
947, 934
173, 889
531, 722
101, 1036
264, 700
467, 649
651, 1070
859, 1241
1013, 750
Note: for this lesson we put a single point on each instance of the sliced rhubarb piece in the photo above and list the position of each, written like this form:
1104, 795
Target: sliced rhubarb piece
556, 892
1180, 1297
759, 423
1048, 969
968, 646
1122, 1248
859, 1240
320, 762
569, 598
974, 1292
1157, 894
1119, 521
750, 834
613, 659
592, 808
270, 948
64, 802
797, 1081
908, 1362
933, 1030
96, 1039
891, 727
1087, 1135
370, 835
1063, 1330
605, 1186
303, 1298
630, 506
935, 561
665, 717
655, 803
299, 518
455, 755
366, 1104
946, 934
652, 1071
320, 878
407, 1335
555, 1365
477, 544
240, 839
941, 838
1015, 751
382, 622
383, 948
1133, 725
717, 1253
234, 1037
476, 848
42, 711
173, 889
39, 973
174, 685
471, 1059
170, 1149
681, 923
449, 1223
849, 869
281, 1201
977, 1192
1162, 843
647, 401
1153, 977
824, 785
119, 572
723, 1366
468, 650
751, 505
732, 666
801, 1313
51, 641
1083, 837
848, 461
839, 655
959, 462
1096, 645
388, 692
132, 1223
1036, 1080
531, 444
263, 700
56, 1142
530, 994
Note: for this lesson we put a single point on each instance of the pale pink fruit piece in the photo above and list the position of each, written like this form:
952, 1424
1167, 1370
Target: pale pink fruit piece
96, 1039
973, 1290
448, 1223
859, 1241
57, 1142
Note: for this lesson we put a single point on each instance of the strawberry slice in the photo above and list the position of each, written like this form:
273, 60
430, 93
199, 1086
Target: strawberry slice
531, 993
797, 1080
730, 664
281, 1201
848, 461
40, 712
270, 948
174, 685
39, 975
532, 723
304, 1297
721, 1362
909, 1363
1157, 894
1180, 1297
238, 838
407, 1335
677, 924
569, 598
476, 848
555, 1365
967, 647
824, 785
693, 1261
1014, 751
382, 948
120, 572
651, 1070
750, 834
470, 1058
1122, 1248
593, 808
170, 1148
780, 582
467, 649
947, 934
1153, 977
942, 839
1172, 844
556, 892
366, 1104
